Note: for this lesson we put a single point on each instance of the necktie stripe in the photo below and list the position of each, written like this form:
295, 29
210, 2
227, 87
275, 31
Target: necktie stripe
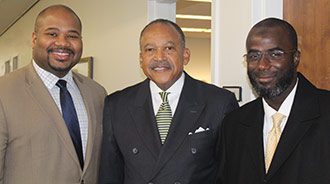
164, 117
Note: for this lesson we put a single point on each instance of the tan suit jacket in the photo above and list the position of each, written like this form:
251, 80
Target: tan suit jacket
35, 145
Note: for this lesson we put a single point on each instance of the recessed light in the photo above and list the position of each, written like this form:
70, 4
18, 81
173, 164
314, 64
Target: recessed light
208, 1
200, 30
200, 17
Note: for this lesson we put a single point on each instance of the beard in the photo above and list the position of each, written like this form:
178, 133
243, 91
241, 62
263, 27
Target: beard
283, 81
58, 69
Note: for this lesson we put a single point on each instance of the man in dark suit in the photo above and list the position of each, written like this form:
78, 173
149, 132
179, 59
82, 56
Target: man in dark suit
141, 144
283, 136
37, 143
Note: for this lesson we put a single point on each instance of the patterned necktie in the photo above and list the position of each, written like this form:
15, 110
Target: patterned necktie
164, 117
273, 138
71, 119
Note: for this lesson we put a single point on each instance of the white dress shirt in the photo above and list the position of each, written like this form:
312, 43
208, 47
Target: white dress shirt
173, 97
284, 109
50, 81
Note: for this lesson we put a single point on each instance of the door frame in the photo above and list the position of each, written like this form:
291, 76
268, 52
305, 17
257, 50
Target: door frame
260, 9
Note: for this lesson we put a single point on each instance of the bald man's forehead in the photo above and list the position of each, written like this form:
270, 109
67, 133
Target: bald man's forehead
264, 32
54, 11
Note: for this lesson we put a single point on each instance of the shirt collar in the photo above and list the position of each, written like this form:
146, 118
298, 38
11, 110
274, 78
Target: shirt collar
174, 90
285, 107
50, 79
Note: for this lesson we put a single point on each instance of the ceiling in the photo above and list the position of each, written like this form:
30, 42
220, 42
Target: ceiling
187, 7
12, 10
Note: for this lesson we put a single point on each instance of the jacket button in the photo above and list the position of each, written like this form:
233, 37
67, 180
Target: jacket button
135, 151
193, 150
82, 182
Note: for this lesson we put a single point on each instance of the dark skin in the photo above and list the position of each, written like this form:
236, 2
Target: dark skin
268, 73
162, 55
57, 41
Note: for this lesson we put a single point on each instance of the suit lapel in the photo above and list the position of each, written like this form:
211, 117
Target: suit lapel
305, 108
40, 94
254, 137
143, 116
86, 94
188, 110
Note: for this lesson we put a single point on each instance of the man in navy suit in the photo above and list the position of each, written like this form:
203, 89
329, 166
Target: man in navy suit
258, 146
133, 152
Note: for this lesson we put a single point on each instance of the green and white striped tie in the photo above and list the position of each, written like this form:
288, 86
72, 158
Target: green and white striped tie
164, 117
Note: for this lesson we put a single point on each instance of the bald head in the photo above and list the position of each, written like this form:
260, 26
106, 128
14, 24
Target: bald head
51, 10
56, 40
263, 27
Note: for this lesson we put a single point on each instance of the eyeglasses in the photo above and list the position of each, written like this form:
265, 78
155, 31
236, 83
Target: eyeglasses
273, 55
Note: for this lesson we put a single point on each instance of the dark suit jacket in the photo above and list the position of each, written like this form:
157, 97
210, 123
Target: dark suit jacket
132, 152
35, 144
303, 152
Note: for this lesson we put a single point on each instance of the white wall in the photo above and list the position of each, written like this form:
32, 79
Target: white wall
17, 41
231, 23
110, 34
199, 65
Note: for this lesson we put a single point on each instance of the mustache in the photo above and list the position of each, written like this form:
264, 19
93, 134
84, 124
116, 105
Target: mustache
155, 64
261, 73
52, 49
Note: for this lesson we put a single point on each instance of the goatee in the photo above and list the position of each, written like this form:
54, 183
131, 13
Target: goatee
283, 82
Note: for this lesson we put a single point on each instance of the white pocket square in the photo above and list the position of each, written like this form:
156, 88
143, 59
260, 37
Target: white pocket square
200, 129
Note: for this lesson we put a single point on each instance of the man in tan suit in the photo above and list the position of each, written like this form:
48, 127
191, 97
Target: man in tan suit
37, 145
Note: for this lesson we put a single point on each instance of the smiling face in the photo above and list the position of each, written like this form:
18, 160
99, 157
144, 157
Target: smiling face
162, 55
272, 78
56, 41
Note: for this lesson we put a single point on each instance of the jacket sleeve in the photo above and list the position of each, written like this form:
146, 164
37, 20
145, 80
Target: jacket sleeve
229, 107
3, 142
111, 164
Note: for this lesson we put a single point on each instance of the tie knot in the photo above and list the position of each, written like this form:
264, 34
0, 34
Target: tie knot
61, 84
277, 119
163, 95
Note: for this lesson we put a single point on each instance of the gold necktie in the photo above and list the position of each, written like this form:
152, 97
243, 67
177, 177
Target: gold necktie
273, 138
164, 117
